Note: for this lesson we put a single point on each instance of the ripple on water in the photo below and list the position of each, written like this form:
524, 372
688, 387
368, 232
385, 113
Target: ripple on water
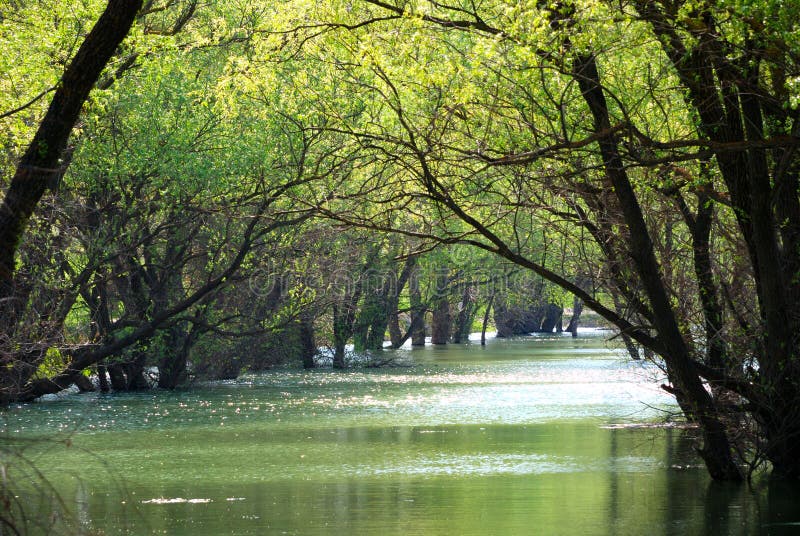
505, 392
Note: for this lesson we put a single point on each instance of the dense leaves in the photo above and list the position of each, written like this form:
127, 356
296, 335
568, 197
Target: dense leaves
326, 172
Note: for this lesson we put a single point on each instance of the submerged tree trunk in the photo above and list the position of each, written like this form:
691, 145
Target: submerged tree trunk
486, 319
417, 310
135, 371
716, 451
552, 318
442, 321
308, 346
398, 338
466, 314
577, 309
117, 374
176, 345
395, 333
102, 379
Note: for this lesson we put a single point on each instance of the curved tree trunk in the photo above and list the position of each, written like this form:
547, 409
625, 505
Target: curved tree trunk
716, 451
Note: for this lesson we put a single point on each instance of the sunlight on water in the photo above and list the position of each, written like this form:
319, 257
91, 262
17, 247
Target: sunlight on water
549, 432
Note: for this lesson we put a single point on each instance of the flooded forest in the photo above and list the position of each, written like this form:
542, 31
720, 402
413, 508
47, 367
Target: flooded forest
399, 267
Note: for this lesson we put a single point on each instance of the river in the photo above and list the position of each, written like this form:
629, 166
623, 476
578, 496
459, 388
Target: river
537, 435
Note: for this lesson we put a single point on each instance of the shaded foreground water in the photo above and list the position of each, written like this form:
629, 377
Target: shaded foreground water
540, 435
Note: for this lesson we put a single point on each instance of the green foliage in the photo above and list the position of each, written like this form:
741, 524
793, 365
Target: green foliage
455, 134
52, 363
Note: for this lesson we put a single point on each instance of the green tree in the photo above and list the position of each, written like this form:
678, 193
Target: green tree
42, 164
599, 114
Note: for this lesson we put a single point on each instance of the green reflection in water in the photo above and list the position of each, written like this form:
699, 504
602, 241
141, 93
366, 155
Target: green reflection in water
520, 437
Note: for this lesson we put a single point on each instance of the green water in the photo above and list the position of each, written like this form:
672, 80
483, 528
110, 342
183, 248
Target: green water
528, 436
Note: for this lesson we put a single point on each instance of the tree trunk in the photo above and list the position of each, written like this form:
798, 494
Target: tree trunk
41, 164
134, 371
363, 322
117, 374
176, 344
308, 346
84, 384
102, 378
344, 315
726, 95
395, 333
486, 319
782, 430
552, 318
441, 323
466, 314
577, 309
716, 451
417, 311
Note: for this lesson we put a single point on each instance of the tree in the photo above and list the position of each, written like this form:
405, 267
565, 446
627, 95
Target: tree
160, 224
595, 114
649, 146
43, 161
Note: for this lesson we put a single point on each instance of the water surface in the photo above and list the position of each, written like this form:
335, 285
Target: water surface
539, 435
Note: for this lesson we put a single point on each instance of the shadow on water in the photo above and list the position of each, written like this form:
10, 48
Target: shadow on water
524, 436
768, 507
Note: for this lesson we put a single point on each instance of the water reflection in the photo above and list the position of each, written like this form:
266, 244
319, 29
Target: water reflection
520, 437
